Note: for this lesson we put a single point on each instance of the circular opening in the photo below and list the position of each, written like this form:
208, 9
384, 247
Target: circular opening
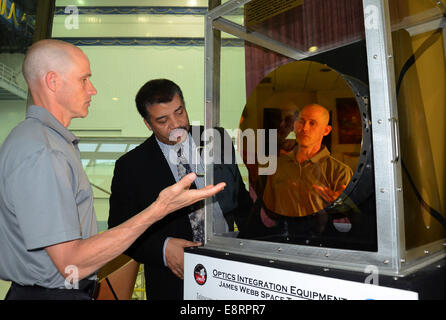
322, 138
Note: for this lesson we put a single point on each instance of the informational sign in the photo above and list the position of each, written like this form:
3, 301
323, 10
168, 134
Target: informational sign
209, 278
261, 10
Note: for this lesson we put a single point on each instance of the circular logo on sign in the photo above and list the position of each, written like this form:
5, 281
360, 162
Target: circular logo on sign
200, 274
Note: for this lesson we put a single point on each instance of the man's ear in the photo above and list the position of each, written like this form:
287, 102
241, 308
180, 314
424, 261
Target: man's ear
327, 130
147, 125
51, 79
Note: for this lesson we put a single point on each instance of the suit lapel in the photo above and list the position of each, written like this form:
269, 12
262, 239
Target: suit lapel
156, 160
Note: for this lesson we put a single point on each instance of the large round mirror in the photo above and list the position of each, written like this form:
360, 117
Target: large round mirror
321, 122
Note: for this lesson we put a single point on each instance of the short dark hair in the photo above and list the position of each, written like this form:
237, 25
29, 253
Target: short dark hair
154, 92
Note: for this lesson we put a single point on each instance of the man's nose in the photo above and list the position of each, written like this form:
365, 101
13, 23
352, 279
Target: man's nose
92, 90
174, 123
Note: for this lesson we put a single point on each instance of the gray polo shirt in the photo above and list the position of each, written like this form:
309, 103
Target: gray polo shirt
45, 198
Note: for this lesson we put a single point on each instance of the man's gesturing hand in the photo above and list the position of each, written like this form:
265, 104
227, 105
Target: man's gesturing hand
179, 195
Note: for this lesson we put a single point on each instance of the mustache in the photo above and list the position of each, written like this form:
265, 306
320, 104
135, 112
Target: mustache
182, 127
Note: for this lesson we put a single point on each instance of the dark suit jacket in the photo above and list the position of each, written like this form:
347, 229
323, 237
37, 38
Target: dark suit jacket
139, 177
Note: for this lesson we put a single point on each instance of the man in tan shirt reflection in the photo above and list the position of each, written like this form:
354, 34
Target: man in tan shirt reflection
309, 178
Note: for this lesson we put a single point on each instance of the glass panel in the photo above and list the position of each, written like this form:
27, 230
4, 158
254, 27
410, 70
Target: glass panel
142, 40
98, 156
411, 13
17, 25
310, 27
276, 90
419, 52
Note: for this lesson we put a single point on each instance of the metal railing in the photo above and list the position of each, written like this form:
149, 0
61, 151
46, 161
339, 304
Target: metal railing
8, 75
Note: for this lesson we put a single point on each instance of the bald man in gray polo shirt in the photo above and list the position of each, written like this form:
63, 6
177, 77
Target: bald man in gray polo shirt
49, 245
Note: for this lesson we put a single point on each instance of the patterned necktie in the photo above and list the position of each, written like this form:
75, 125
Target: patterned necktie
196, 217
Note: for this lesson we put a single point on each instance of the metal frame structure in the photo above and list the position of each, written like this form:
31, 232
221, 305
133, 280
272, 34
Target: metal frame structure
392, 258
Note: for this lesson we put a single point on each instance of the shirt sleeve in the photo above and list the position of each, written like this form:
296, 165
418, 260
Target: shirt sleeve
164, 251
343, 177
42, 192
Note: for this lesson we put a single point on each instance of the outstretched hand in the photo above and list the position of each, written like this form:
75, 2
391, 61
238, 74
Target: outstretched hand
327, 194
180, 195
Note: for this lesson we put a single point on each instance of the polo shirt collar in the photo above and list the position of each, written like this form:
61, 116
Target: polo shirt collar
323, 153
44, 116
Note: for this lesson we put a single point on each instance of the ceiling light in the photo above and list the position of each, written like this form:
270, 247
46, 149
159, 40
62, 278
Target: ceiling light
143, 19
291, 136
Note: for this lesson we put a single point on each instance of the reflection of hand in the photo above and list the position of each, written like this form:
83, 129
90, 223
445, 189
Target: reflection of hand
327, 194
266, 220
175, 255
342, 220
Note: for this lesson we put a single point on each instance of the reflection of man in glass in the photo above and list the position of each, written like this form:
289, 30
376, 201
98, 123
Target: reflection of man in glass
309, 178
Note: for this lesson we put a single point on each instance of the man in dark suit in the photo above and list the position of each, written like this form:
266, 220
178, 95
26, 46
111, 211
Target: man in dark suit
141, 173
